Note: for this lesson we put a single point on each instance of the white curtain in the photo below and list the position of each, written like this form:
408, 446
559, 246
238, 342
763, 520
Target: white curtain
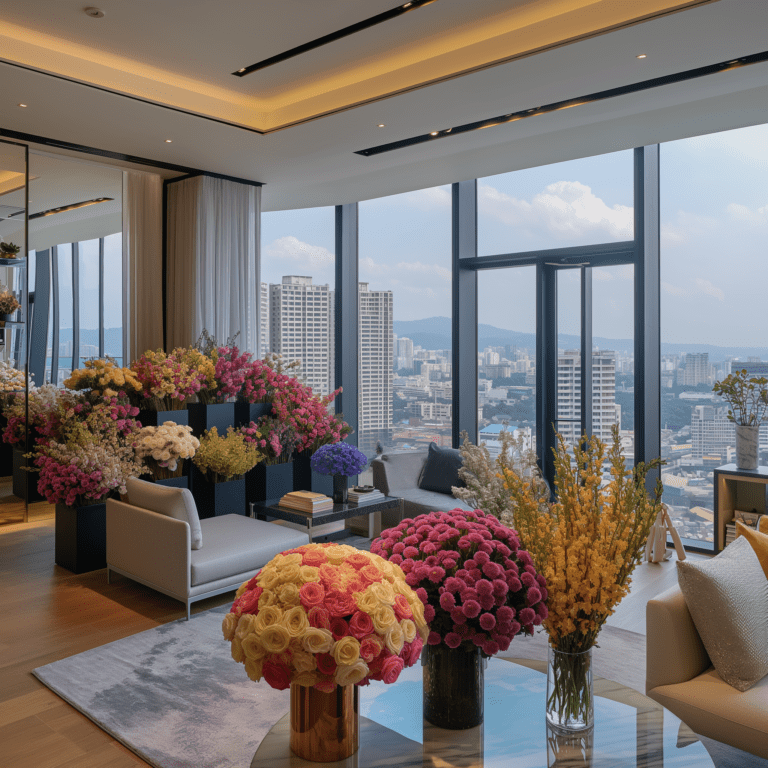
142, 263
213, 261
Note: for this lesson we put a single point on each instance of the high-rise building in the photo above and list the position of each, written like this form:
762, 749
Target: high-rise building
376, 375
604, 411
264, 320
301, 328
403, 353
697, 370
712, 432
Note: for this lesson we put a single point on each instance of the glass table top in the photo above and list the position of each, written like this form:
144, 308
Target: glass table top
630, 730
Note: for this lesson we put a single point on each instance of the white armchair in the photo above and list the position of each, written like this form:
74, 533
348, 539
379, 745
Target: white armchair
150, 539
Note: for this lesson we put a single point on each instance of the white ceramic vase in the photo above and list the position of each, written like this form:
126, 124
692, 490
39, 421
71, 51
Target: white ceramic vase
746, 446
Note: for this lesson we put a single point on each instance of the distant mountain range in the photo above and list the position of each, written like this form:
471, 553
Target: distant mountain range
435, 333
113, 339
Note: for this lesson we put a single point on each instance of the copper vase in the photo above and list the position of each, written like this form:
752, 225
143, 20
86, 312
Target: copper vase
324, 726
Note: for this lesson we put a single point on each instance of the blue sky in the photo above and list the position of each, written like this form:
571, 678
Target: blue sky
714, 210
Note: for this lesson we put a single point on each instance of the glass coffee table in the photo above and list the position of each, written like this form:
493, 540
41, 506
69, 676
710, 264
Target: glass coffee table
311, 520
631, 730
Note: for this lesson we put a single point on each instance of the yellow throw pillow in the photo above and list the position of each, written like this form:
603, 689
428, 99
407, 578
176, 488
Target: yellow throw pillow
762, 524
759, 542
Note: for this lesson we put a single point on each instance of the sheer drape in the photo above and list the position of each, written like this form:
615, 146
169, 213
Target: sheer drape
142, 262
213, 261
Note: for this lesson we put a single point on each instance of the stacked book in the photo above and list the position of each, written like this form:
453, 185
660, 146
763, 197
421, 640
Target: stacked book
306, 501
750, 519
360, 496
730, 533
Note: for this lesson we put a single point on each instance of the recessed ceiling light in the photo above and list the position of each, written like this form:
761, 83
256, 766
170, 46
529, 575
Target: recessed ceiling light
380, 125
641, 56
94, 13
434, 133
169, 141
23, 105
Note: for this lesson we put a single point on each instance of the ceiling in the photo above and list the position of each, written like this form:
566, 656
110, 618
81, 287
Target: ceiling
150, 71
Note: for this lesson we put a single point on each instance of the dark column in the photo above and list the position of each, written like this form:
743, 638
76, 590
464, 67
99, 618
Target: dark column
647, 308
464, 328
546, 367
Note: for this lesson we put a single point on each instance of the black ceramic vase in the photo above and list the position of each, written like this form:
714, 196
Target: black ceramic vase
453, 686
340, 489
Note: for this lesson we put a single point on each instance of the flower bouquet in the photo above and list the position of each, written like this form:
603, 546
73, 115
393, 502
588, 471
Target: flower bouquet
274, 438
8, 305
86, 452
104, 378
340, 460
324, 615
225, 457
11, 380
479, 590
169, 380
229, 371
586, 544
164, 448
46, 405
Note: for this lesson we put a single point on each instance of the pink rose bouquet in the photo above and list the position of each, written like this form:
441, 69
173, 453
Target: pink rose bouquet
168, 381
478, 587
324, 615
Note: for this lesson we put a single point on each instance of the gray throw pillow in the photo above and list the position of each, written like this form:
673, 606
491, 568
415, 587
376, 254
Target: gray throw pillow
441, 470
173, 502
727, 597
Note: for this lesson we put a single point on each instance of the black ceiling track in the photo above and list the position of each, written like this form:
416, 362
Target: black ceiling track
65, 208
512, 117
352, 29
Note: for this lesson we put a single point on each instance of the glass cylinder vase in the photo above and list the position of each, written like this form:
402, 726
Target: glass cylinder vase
454, 686
324, 726
570, 698
340, 489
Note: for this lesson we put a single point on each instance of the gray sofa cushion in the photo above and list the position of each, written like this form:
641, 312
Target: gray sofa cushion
236, 544
441, 470
172, 502
418, 502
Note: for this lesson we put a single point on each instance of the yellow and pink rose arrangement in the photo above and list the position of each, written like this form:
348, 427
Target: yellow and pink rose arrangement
324, 615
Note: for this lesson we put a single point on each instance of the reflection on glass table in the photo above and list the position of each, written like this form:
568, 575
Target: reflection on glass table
631, 731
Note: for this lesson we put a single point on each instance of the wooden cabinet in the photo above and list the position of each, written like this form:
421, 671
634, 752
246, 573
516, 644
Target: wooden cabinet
742, 489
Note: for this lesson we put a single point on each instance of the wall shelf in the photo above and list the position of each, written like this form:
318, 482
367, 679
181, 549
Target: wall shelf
742, 489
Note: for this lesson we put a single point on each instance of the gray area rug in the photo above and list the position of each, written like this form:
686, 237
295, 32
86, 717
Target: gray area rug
174, 696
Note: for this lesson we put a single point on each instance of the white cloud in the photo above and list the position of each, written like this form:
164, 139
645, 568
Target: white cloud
290, 248
706, 287
427, 199
566, 208
744, 213
428, 269
673, 290
685, 226
371, 268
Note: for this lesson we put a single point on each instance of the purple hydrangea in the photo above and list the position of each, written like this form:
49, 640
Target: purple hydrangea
338, 459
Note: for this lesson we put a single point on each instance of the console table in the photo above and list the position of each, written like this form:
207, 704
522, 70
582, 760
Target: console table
630, 729
742, 489
339, 512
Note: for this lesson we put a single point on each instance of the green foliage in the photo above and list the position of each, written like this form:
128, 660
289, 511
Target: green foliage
747, 397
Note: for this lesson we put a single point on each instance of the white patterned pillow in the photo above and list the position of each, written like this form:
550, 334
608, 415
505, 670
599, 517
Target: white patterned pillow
727, 597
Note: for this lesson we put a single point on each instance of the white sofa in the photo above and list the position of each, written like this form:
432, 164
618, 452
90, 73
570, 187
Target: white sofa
680, 676
152, 541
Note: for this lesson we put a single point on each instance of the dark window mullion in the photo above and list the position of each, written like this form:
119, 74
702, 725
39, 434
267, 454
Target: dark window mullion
75, 305
586, 351
55, 321
101, 297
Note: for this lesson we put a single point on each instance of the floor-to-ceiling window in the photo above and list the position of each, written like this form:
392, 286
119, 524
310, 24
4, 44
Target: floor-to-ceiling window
405, 376
561, 235
296, 300
714, 230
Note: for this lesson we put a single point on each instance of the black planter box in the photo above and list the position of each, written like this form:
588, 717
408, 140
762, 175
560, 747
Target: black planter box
206, 416
305, 479
269, 481
174, 482
6, 451
81, 537
24, 483
158, 418
216, 499
245, 413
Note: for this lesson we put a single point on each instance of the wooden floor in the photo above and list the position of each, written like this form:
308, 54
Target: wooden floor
47, 613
